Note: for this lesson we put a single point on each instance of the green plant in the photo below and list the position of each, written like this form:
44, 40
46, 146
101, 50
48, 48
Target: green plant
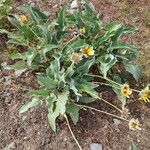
5, 7
133, 146
63, 61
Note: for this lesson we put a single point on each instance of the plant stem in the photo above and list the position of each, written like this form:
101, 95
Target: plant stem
101, 111
138, 91
111, 81
70, 41
109, 104
105, 78
35, 33
72, 132
101, 83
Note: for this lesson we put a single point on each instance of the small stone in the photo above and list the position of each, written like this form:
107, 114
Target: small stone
19, 72
96, 146
116, 121
55, 6
11, 146
8, 80
74, 4
23, 118
25, 138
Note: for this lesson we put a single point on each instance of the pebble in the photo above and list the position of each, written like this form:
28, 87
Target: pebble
11, 146
96, 146
23, 118
116, 121
19, 72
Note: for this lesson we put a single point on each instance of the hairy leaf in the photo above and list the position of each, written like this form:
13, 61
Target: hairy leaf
135, 70
47, 82
35, 102
38, 93
88, 88
106, 62
73, 111
57, 107
86, 99
133, 146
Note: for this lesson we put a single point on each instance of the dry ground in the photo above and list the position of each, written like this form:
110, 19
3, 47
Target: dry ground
31, 130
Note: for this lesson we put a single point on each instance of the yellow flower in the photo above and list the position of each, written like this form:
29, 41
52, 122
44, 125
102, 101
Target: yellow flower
82, 30
87, 51
134, 124
24, 18
125, 90
145, 95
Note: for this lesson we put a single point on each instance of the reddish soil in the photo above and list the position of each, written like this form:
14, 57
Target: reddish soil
31, 130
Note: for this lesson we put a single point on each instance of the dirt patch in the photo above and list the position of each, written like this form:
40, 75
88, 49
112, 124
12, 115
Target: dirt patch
31, 131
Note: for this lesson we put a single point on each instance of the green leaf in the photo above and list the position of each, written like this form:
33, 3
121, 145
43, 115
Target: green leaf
116, 88
40, 14
16, 55
45, 33
128, 30
106, 62
117, 34
35, 14
87, 87
73, 88
37, 93
114, 31
35, 102
84, 65
31, 54
29, 10
86, 99
25, 29
135, 70
118, 93
90, 12
122, 45
61, 19
52, 114
113, 26
48, 48
54, 71
14, 38
5, 7
50, 102
133, 146
76, 44
73, 111
52, 120
57, 106
90, 20
19, 65
61, 102
47, 82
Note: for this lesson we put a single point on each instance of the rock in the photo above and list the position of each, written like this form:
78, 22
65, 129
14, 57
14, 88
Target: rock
19, 72
11, 146
116, 121
73, 6
95, 146
92, 7
7, 80
23, 118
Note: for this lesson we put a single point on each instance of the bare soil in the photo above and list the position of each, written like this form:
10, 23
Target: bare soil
31, 130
